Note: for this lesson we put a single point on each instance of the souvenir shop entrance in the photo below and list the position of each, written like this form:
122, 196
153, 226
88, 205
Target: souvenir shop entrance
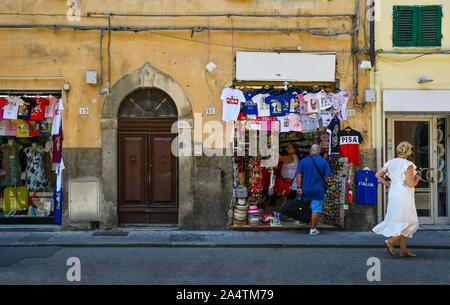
301, 122
31, 155
428, 135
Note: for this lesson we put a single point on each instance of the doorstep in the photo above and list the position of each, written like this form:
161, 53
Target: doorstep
285, 226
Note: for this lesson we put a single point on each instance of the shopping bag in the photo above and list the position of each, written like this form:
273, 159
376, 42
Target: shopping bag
299, 209
282, 186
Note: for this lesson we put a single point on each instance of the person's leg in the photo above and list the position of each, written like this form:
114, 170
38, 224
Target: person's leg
314, 219
403, 250
394, 239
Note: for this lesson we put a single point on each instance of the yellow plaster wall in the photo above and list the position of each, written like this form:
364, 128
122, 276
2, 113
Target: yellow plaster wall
180, 54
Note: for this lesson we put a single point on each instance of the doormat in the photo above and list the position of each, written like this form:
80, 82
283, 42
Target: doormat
110, 233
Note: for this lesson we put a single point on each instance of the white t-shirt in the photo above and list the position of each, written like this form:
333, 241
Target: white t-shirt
11, 109
284, 123
232, 99
57, 118
263, 107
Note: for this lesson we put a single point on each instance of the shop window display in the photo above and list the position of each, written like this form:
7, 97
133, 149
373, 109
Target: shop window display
27, 156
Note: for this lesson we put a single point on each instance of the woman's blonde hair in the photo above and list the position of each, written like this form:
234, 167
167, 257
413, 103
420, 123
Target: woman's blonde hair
404, 148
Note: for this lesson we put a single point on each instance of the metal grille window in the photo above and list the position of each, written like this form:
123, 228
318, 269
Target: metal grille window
417, 26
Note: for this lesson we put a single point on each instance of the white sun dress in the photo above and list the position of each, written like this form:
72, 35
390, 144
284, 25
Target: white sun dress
401, 216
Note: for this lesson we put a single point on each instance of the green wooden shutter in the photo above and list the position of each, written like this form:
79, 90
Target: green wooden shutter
405, 26
430, 23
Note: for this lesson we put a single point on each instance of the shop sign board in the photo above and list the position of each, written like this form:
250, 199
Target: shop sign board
416, 100
298, 67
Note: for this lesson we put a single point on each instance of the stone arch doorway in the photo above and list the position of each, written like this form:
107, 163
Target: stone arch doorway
116, 108
147, 169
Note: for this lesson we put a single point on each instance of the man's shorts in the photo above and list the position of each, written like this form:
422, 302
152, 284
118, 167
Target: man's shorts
316, 206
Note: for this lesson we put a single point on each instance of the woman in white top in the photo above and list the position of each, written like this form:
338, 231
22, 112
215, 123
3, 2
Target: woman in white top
289, 167
401, 219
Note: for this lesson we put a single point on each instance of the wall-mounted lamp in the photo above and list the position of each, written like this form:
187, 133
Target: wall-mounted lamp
423, 80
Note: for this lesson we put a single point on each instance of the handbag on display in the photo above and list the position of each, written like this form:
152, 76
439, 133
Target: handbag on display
299, 209
241, 192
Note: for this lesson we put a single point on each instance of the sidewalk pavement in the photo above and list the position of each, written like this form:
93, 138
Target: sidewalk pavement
433, 238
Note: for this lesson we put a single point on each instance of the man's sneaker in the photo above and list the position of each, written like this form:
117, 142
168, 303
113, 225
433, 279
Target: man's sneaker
314, 231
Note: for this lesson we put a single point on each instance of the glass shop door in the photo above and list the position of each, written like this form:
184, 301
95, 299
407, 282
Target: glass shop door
429, 139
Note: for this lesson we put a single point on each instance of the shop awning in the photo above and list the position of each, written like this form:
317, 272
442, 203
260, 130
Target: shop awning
416, 100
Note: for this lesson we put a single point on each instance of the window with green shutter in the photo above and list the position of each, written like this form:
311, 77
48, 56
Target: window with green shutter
417, 26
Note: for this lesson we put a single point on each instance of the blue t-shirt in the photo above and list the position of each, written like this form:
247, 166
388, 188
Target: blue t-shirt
250, 108
312, 182
366, 187
57, 205
276, 105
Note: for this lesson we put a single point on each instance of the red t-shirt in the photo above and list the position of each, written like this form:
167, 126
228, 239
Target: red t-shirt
37, 114
349, 145
33, 128
3, 102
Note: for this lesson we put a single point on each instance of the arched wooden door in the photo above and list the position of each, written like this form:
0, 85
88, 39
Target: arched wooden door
147, 169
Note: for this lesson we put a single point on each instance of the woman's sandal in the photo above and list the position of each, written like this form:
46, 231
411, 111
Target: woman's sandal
408, 254
389, 248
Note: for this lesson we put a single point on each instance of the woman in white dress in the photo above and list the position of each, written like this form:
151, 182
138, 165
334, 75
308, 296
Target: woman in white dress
401, 219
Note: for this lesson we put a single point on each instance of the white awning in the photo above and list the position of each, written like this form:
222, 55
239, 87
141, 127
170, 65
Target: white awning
416, 100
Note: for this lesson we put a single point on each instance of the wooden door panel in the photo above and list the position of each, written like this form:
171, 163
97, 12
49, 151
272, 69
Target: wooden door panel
132, 173
148, 175
163, 170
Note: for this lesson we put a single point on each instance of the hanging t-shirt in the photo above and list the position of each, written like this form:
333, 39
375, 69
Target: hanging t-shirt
57, 119
303, 104
366, 187
23, 129
324, 100
3, 102
45, 127
3, 128
326, 119
349, 145
339, 103
26, 108
57, 148
250, 107
50, 109
294, 103
333, 129
269, 123
11, 128
11, 109
232, 100
263, 108
294, 122
38, 111
284, 123
313, 103
285, 103
275, 104
33, 127
57, 206
309, 123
